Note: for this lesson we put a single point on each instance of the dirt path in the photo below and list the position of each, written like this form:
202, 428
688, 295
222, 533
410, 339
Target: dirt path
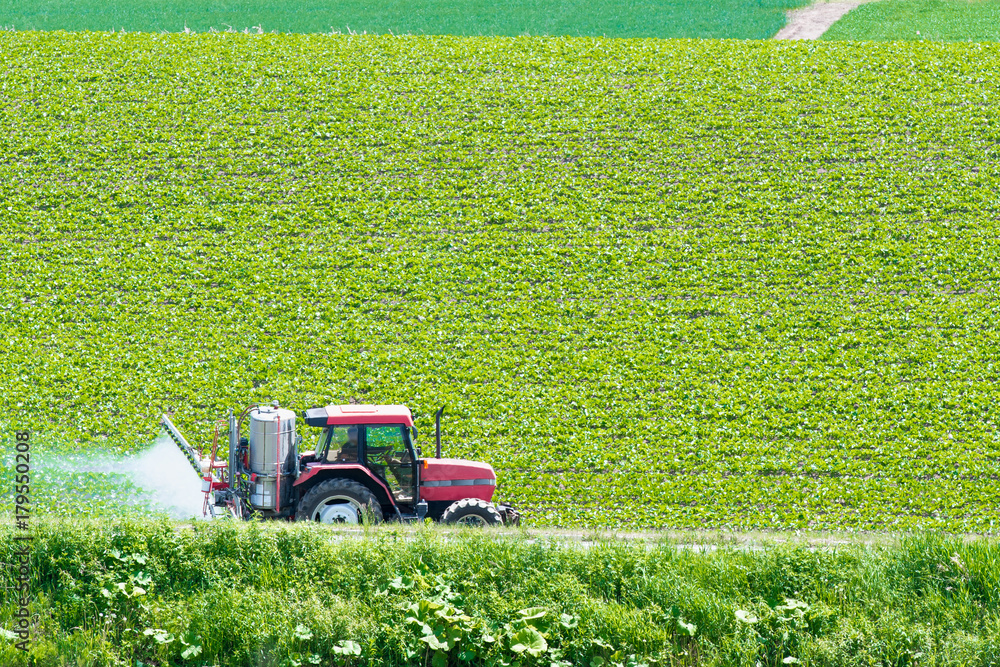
701, 541
812, 21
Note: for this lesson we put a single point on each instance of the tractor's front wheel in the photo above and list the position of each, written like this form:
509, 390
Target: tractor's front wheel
472, 512
339, 501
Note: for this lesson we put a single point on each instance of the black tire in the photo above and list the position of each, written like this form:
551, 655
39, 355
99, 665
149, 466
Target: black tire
472, 512
341, 492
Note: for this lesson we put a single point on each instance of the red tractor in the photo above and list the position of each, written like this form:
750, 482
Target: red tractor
365, 467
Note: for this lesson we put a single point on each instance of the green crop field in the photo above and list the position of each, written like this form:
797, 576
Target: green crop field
735, 19
945, 20
113, 594
656, 283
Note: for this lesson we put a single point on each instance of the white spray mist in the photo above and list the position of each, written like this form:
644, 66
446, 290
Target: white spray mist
162, 472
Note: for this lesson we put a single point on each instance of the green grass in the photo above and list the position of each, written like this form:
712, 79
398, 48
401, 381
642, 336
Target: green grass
940, 20
121, 593
735, 19
657, 283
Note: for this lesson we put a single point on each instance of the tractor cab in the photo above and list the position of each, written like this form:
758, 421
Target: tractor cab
385, 450
377, 437
374, 447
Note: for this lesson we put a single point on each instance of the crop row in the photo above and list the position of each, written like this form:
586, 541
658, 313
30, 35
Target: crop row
656, 283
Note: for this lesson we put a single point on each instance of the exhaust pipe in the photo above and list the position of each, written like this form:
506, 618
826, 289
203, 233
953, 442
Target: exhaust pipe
437, 432
233, 442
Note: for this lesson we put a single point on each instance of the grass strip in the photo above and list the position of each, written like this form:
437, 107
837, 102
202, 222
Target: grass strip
920, 20
153, 592
736, 19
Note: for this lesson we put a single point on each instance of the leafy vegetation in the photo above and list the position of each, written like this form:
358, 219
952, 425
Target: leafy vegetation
156, 593
946, 20
734, 19
656, 283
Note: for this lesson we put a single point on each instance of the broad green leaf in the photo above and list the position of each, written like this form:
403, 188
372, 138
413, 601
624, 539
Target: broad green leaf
528, 640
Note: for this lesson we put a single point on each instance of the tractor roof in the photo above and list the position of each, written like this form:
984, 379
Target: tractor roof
346, 415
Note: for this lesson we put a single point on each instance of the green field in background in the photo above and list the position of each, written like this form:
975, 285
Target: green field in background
681, 283
735, 19
943, 20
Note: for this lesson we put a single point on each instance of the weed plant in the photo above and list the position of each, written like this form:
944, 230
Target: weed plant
130, 592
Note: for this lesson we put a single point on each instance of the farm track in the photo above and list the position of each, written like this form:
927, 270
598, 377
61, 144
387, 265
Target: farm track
812, 21
696, 541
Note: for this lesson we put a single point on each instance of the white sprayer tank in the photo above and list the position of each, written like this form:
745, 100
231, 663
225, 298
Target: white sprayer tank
271, 451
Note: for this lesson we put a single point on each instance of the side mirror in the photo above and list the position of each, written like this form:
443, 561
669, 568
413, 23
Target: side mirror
413, 433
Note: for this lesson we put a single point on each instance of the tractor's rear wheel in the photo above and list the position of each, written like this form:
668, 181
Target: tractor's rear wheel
339, 501
472, 512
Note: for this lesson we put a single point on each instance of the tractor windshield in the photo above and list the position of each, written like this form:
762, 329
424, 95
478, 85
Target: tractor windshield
321, 441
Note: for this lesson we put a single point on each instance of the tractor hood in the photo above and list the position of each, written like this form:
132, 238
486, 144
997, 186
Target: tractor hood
457, 471
455, 479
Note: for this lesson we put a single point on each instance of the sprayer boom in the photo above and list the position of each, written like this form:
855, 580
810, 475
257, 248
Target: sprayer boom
182, 444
